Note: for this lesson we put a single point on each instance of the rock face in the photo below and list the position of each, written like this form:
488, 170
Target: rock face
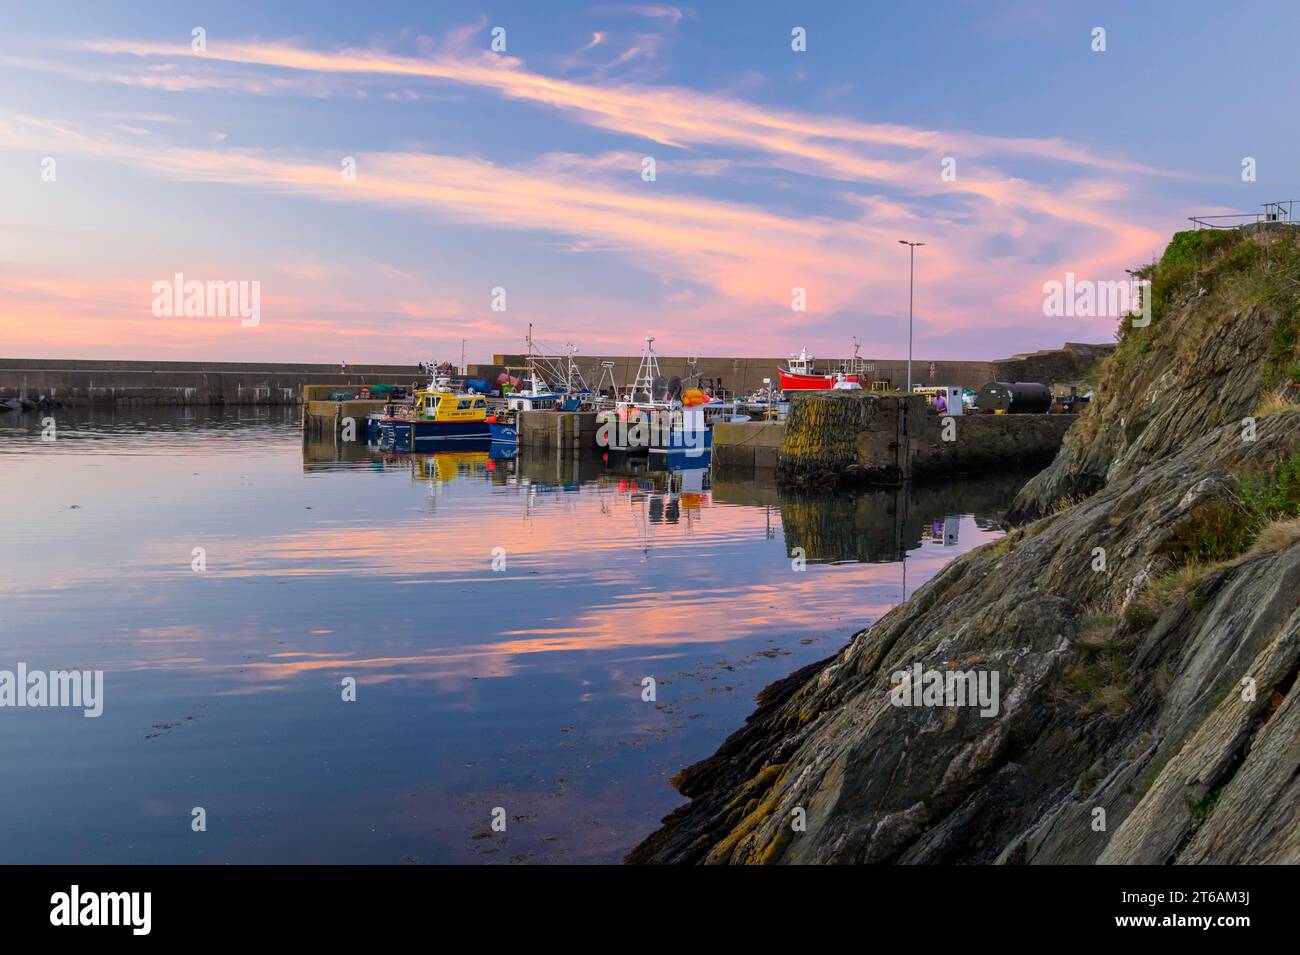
1201, 367
1136, 722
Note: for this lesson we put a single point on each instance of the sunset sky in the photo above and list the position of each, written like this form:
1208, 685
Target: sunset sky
522, 170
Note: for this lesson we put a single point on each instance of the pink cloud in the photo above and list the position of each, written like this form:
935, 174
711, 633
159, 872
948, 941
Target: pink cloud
727, 266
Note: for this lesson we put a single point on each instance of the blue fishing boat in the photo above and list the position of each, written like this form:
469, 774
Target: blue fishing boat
502, 431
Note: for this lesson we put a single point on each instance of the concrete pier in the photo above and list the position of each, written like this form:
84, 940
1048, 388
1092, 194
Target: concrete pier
556, 430
853, 437
987, 442
323, 415
747, 444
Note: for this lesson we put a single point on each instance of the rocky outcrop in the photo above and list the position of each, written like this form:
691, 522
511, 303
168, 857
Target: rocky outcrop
1143, 714
1203, 365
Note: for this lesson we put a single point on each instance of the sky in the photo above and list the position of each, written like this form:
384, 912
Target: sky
393, 184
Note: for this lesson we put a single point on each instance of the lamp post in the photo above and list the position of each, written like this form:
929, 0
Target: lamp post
911, 280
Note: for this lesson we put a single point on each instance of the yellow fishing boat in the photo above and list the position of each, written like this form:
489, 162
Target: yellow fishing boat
437, 415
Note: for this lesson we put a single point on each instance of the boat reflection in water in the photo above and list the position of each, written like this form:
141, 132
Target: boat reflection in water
868, 525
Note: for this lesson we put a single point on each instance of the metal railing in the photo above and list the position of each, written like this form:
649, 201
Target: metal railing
1273, 213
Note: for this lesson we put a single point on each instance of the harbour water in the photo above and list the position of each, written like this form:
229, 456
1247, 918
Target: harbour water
499, 617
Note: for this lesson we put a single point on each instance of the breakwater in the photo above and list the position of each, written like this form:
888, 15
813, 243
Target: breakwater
98, 381
87, 382
1068, 365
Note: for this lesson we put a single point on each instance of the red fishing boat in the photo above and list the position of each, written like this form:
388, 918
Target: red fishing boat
800, 376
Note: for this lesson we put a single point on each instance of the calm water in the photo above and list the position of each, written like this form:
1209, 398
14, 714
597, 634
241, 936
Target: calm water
476, 689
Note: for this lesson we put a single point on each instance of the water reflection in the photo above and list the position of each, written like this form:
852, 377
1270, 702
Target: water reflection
883, 525
328, 560
860, 525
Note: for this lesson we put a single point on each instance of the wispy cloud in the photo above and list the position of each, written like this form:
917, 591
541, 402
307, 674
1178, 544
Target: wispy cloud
658, 11
669, 115
748, 257
729, 252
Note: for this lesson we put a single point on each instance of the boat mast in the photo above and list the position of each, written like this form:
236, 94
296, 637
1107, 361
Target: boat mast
646, 373
535, 383
573, 377
606, 371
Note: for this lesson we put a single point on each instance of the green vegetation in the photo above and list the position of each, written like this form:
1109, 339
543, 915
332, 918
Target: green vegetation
1226, 527
1246, 269
1258, 516
1089, 778
1143, 610
1217, 530
1138, 615
1273, 497
1097, 629
1098, 681
1282, 349
1201, 808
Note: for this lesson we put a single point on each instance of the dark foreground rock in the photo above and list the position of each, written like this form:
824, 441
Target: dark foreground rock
1139, 720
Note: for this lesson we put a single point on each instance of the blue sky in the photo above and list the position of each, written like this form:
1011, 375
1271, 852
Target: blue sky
521, 170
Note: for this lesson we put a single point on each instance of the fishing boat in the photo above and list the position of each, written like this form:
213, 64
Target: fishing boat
716, 411
438, 414
683, 430
569, 394
627, 423
502, 427
800, 374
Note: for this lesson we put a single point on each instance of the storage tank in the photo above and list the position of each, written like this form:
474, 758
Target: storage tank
1021, 397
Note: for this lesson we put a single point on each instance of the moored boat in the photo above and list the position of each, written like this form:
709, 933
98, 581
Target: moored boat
684, 429
502, 427
437, 415
801, 375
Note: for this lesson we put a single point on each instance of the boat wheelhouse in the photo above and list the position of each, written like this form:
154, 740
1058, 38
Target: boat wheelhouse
536, 397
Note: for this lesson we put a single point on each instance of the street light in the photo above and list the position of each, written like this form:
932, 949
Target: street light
911, 276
